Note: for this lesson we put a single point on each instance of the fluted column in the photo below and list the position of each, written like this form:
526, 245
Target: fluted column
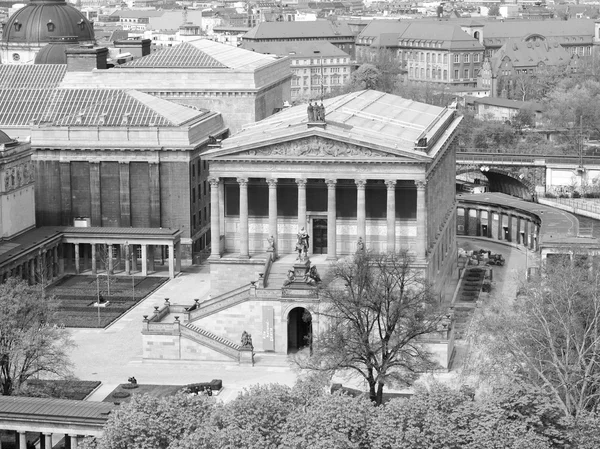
301, 202
145, 260
391, 215
361, 212
171, 262
421, 245
272, 182
215, 218
331, 220
243, 230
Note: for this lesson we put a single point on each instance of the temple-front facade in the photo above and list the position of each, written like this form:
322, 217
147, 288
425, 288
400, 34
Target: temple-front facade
307, 186
373, 170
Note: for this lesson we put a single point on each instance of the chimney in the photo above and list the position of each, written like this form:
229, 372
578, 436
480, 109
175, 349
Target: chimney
85, 58
136, 47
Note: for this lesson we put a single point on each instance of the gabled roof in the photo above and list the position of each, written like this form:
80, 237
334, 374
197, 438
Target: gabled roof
296, 49
294, 30
182, 55
579, 28
27, 76
113, 107
390, 33
370, 119
202, 53
530, 54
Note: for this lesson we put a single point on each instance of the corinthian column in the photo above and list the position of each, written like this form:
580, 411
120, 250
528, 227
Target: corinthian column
331, 220
361, 214
243, 230
421, 224
391, 215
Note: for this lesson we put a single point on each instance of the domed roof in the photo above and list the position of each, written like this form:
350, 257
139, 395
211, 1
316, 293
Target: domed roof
5, 140
55, 51
42, 20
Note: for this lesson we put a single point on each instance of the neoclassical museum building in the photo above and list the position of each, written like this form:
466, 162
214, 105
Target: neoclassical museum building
378, 168
366, 166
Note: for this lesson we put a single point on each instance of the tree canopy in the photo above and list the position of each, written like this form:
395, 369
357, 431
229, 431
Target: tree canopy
31, 343
377, 309
548, 337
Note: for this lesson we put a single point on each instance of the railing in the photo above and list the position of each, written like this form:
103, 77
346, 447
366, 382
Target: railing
264, 281
479, 154
158, 328
582, 204
212, 341
221, 302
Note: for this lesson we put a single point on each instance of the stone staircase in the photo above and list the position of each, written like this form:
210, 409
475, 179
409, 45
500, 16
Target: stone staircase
217, 343
221, 302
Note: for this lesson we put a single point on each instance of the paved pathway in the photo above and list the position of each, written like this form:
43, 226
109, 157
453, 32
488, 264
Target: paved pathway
114, 354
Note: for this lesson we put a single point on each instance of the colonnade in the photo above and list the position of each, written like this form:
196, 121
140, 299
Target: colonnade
526, 227
216, 182
87, 255
35, 267
44, 440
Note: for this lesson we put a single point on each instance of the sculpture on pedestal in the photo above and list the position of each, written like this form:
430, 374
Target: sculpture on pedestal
360, 245
302, 244
246, 342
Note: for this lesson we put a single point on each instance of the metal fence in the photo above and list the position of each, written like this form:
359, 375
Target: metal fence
582, 204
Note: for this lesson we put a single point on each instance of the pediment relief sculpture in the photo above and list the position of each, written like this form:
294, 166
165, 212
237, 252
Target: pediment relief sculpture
316, 148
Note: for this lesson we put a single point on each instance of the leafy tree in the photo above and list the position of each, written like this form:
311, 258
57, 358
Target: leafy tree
525, 118
377, 308
30, 342
494, 11
331, 421
151, 422
548, 337
367, 76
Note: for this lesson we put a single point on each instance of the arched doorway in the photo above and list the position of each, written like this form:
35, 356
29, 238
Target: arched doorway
299, 329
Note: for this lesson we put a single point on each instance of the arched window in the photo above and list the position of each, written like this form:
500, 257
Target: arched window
427, 58
476, 35
428, 74
422, 73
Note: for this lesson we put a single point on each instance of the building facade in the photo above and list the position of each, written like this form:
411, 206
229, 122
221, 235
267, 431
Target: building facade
427, 52
363, 173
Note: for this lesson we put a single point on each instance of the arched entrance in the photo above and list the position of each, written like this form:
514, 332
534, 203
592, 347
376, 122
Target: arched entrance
299, 329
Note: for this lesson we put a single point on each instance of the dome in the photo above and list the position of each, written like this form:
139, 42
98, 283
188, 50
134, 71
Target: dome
7, 141
55, 51
41, 21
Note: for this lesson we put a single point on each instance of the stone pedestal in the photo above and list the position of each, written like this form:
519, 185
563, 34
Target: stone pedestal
301, 268
247, 356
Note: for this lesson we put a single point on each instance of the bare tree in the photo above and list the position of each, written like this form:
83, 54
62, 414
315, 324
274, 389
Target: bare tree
377, 308
106, 259
548, 337
30, 341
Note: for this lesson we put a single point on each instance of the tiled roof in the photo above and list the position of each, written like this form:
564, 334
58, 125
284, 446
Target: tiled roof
47, 408
27, 76
389, 33
294, 30
182, 55
114, 107
530, 54
202, 53
367, 118
296, 49
548, 28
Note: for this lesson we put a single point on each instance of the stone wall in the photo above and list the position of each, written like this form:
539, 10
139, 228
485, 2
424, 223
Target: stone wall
227, 274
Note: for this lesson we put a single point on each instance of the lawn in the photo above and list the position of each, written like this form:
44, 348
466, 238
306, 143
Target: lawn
78, 294
61, 389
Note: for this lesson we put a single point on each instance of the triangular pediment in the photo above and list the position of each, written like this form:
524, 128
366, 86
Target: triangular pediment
313, 148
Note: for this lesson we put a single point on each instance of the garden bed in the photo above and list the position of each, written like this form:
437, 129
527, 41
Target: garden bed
61, 389
123, 393
79, 294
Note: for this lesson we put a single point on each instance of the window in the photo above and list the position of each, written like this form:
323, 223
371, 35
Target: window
445, 74
466, 73
433, 58
194, 194
466, 57
456, 58
445, 58
427, 58
412, 72
428, 74
456, 75
422, 73
476, 57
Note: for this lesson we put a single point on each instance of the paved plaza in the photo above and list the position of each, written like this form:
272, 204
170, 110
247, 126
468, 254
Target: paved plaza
114, 354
